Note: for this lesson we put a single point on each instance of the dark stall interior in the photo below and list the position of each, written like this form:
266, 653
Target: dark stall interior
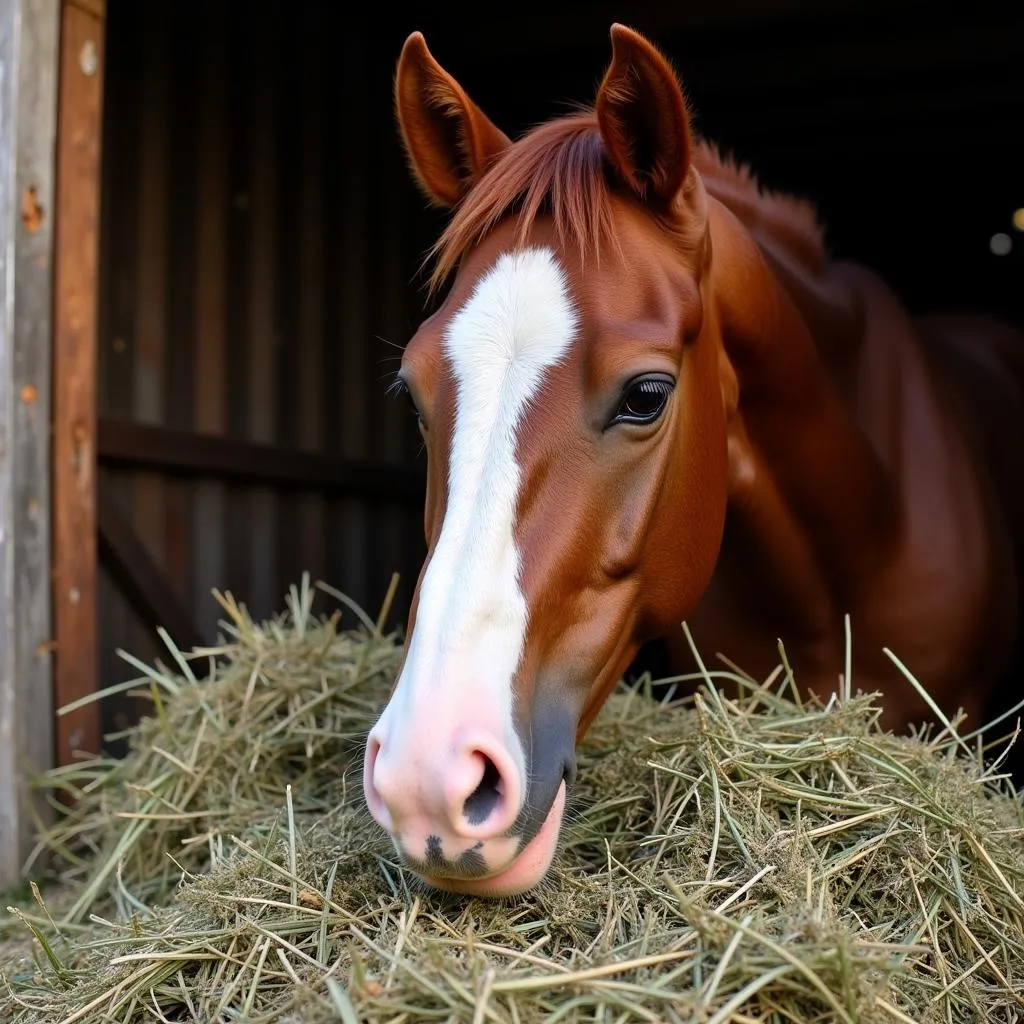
261, 238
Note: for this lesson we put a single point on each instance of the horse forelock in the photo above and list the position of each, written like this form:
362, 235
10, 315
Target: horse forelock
560, 168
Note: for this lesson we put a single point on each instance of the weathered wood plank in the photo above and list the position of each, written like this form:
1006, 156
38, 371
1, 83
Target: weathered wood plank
152, 227
211, 309
352, 275
309, 399
29, 33
265, 587
387, 440
237, 56
130, 445
288, 240
142, 580
151, 295
124, 63
182, 246
79, 119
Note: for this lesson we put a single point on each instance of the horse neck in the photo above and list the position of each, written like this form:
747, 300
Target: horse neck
831, 311
808, 488
788, 236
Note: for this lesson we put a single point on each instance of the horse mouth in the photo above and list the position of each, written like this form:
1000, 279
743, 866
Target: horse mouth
522, 873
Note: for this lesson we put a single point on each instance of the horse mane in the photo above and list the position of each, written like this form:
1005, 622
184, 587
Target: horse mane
774, 219
560, 168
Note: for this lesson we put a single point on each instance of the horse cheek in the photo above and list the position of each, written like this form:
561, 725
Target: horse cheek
687, 530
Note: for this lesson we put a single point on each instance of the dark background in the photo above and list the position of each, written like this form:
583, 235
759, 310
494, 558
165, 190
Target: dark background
903, 121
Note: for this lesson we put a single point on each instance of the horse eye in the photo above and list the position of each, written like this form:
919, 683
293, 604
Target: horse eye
401, 387
645, 400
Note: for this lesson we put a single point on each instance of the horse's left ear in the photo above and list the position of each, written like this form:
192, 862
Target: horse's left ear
644, 121
449, 140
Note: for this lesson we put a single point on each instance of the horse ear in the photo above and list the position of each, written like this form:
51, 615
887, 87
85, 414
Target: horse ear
644, 120
449, 141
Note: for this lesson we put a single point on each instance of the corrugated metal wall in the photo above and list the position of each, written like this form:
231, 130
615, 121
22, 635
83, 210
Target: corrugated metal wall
260, 240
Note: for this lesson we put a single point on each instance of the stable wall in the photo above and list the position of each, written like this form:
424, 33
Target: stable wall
259, 241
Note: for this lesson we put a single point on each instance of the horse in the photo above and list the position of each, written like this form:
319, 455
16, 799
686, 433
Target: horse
650, 398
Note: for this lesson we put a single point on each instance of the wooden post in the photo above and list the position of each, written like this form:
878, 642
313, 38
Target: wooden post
79, 144
29, 31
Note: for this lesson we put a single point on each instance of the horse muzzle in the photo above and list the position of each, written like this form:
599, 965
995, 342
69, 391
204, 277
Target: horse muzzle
463, 811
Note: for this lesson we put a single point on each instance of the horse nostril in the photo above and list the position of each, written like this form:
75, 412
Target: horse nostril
481, 803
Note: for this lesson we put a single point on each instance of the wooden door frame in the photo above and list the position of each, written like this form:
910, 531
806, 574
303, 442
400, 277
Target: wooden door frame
51, 90
29, 46
79, 155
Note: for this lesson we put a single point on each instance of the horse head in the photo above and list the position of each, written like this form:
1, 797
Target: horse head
573, 401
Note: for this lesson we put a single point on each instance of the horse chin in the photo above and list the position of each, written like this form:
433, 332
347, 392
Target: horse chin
526, 869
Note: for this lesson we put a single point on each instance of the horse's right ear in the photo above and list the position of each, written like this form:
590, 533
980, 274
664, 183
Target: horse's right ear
644, 119
450, 142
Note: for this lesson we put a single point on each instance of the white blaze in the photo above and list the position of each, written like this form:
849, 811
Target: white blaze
472, 616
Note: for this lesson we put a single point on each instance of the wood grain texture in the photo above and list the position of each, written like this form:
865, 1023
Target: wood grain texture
260, 382
273, 290
149, 518
351, 273
129, 562
79, 165
211, 313
126, 445
151, 296
28, 96
181, 247
118, 626
310, 405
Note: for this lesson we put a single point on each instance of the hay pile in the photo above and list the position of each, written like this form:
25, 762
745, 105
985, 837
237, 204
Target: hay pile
727, 861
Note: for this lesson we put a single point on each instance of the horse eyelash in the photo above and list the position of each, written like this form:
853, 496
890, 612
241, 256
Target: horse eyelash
657, 386
399, 387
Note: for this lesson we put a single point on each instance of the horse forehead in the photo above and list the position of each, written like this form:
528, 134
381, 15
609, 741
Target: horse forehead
516, 323
518, 320
636, 278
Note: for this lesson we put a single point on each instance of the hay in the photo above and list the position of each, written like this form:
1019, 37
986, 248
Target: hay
727, 860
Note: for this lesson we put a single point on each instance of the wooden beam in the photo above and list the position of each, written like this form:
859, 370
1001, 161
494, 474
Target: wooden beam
141, 446
29, 31
79, 135
147, 589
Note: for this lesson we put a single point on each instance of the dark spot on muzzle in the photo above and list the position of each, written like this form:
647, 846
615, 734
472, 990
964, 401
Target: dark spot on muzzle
469, 864
549, 742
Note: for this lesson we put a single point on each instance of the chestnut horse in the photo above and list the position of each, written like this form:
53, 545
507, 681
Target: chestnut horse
649, 396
